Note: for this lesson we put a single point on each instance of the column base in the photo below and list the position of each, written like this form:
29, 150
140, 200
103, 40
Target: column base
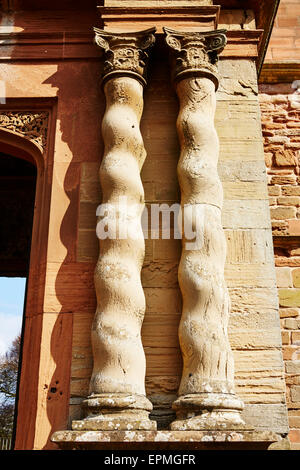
166, 440
116, 411
208, 411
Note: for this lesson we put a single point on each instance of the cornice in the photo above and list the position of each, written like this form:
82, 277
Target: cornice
281, 72
22, 46
79, 44
181, 17
203, 17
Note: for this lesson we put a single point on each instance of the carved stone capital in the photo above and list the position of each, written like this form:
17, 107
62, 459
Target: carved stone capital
194, 53
125, 53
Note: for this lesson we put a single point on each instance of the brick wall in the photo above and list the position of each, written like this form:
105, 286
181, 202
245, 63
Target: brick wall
285, 40
280, 109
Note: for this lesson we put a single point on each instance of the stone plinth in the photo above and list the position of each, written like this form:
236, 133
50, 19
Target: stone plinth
165, 440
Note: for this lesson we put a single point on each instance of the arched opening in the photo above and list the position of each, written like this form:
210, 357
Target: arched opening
18, 181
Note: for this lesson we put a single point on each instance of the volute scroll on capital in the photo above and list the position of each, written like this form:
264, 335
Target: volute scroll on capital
125, 53
195, 53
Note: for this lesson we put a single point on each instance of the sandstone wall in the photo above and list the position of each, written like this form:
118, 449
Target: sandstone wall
285, 40
280, 107
61, 301
250, 275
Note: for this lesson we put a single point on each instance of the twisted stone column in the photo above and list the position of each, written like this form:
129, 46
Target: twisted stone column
206, 394
117, 398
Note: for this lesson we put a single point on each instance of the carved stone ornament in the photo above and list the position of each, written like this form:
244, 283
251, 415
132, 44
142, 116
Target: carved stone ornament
207, 399
117, 397
196, 54
31, 125
125, 53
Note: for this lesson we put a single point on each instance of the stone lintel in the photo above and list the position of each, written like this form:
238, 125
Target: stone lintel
192, 18
168, 440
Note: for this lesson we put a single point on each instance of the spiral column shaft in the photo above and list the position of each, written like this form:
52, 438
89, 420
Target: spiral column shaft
117, 398
206, 393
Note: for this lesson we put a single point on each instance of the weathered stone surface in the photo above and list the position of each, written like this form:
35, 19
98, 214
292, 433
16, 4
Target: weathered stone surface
266, 416
238, 81
249, 246
296, 277
248, 300
246, 214
285, 158
242, 151
292, 323
255, 275
117, 388
237, 122
253, 332
283, 277
245, 171
285, 335
208, 371
265, 383
289, 201
295, 337
165, 439
281, 213
245, 190
295, 393
294, 227
288, 312
290, 190
292, 367
274, 190
289, 297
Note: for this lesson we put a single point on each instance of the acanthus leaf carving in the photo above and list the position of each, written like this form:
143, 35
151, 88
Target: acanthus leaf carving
195, 53
125, 53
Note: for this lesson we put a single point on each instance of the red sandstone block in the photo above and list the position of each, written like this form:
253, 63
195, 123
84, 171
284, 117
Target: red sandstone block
275, 190
291, 54
287, 10
288, 312
268, 159
294, 227
274, 125
285, 157
291, 353
296, 337
269, 55
285, 336
294, 435
287, 21
284, 261
294, 421
289, 201
279, 228
282, 41
282, 212
284, 180
284, 32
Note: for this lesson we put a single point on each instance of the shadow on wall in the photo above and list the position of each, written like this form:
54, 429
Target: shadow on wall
78, 141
